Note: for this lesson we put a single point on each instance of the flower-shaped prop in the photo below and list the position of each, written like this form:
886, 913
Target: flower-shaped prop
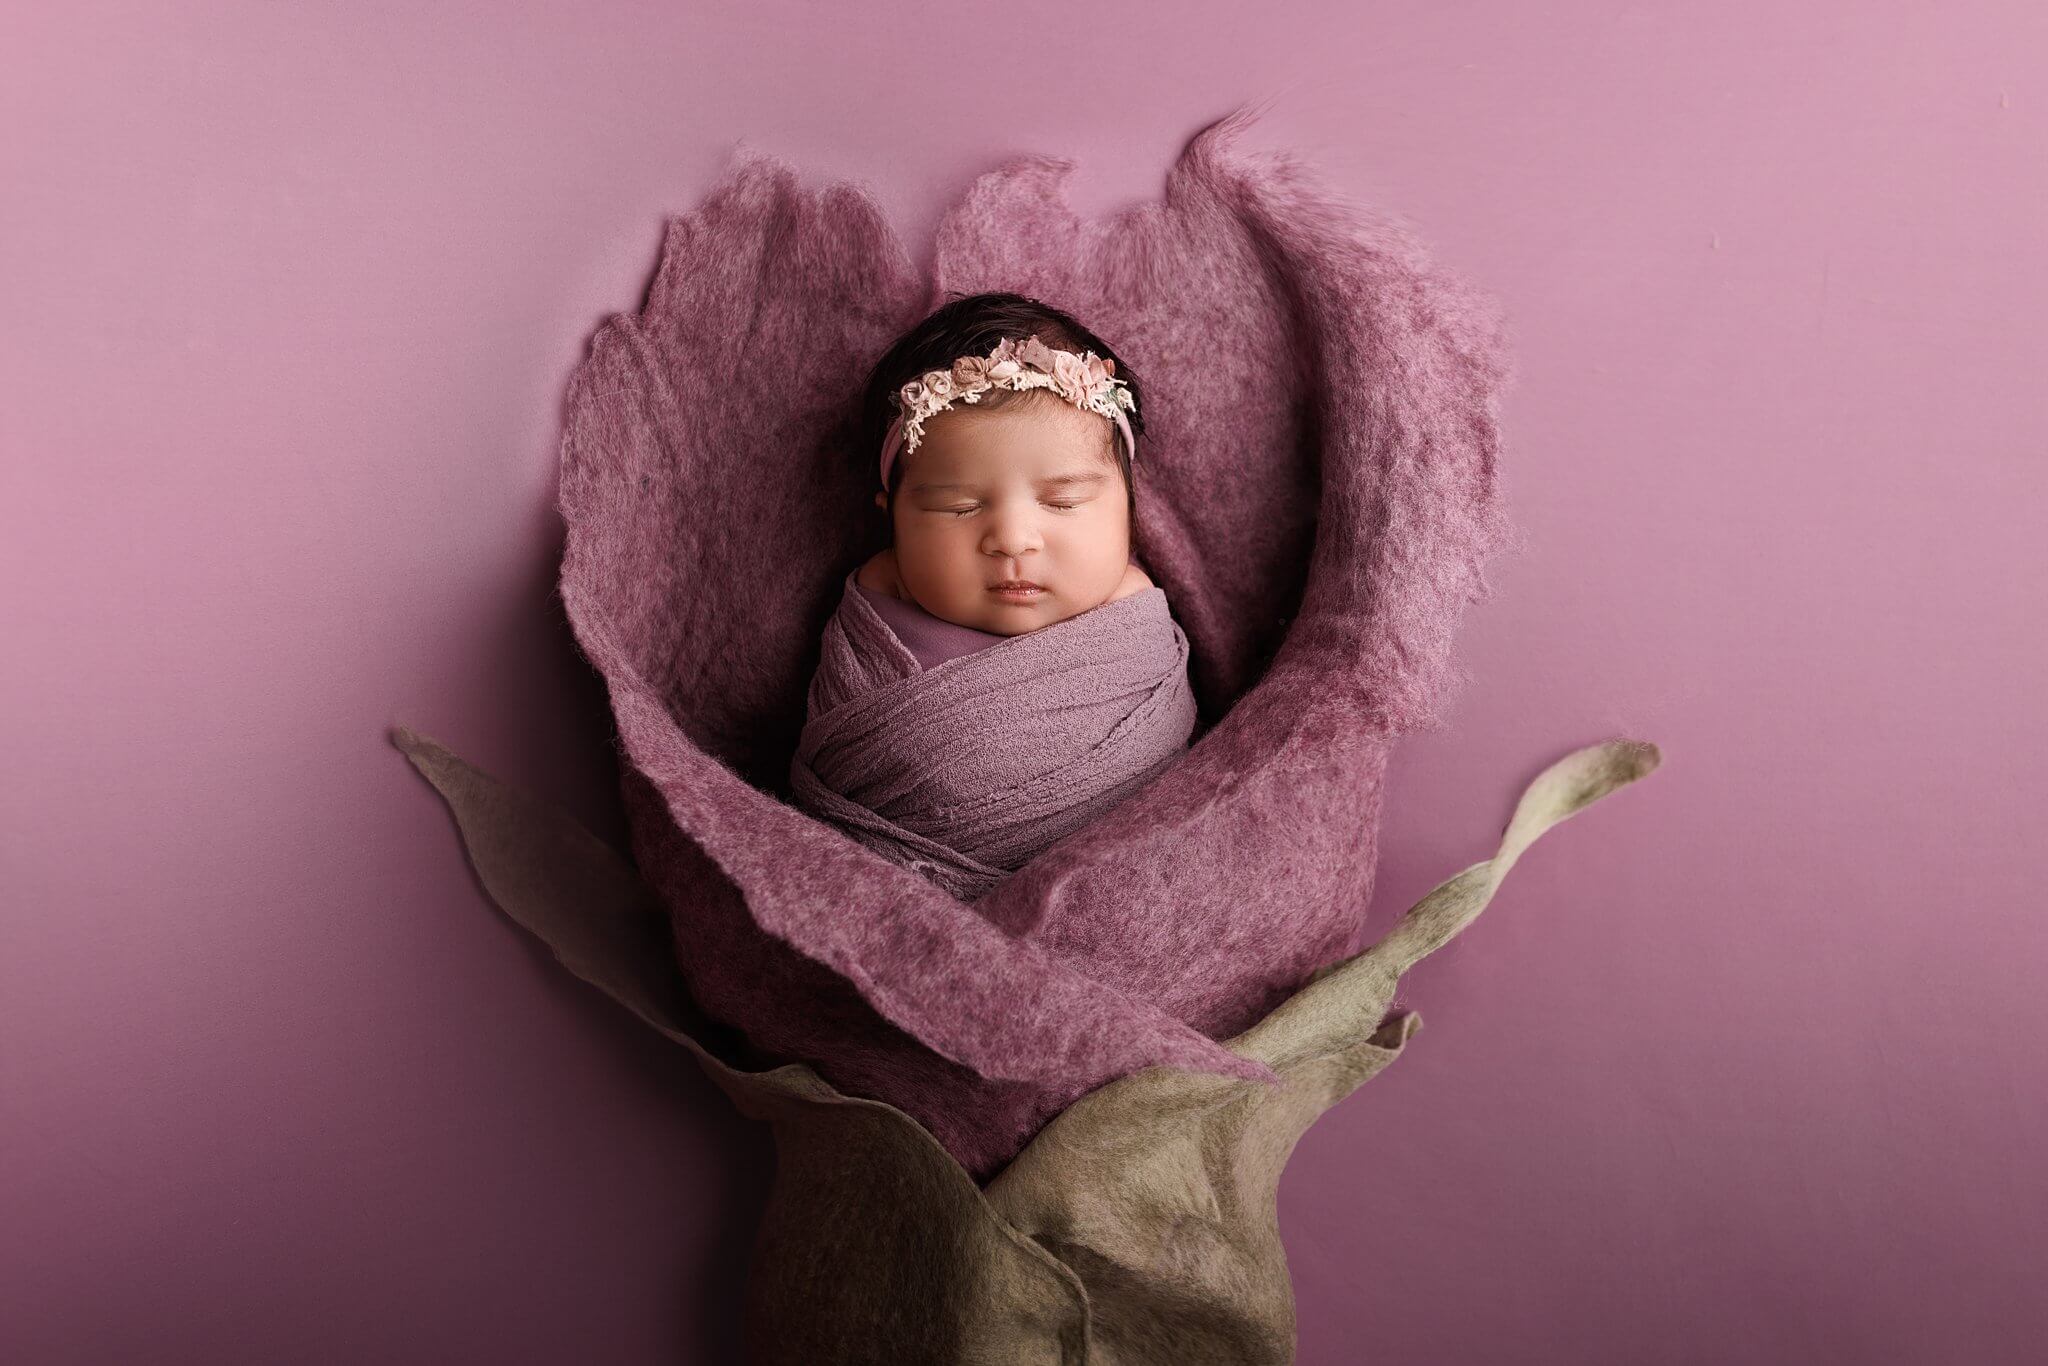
1317, 496
1137, 1229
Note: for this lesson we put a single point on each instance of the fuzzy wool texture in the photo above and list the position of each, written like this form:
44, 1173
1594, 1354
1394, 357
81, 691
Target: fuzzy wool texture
1317, 495
966, 771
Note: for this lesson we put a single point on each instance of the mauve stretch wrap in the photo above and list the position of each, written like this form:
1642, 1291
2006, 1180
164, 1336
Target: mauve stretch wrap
968, 770
1316, 496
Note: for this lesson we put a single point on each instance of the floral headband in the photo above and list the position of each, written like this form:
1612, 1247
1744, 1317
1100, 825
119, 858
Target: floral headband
1084, 380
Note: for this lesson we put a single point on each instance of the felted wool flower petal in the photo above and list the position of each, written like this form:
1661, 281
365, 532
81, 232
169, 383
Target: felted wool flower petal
1318, 478
1138, 1227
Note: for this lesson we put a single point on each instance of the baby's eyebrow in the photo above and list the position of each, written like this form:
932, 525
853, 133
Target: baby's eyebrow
1050, 481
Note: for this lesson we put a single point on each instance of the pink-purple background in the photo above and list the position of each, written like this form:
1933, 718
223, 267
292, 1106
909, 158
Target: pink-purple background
1743, 1065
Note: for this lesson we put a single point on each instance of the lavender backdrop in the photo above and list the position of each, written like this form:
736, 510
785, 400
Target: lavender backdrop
1744, 1066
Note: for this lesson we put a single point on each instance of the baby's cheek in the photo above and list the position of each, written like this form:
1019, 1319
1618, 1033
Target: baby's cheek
1131, 583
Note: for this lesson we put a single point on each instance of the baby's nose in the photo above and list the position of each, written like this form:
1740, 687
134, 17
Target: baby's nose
1011, 535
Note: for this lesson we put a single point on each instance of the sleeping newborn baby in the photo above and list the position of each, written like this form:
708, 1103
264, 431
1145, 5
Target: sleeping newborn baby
1004, 672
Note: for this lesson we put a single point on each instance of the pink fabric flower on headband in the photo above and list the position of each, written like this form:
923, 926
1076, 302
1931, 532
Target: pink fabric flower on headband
1070, 377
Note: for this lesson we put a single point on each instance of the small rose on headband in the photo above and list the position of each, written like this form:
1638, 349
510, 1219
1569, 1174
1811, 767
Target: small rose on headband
1036, 354
1070, 377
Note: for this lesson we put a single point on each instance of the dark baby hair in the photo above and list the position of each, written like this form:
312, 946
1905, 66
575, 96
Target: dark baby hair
973, 324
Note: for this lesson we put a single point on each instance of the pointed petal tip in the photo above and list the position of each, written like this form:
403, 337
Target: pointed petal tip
1636, 757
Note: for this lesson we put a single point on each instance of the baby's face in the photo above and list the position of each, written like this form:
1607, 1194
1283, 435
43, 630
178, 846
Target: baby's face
1027, 491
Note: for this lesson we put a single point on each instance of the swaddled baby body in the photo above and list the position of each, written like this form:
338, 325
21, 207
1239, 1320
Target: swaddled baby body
1004, 672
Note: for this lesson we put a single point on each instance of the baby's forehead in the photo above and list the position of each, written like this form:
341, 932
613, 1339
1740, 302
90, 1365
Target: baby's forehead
1048, 433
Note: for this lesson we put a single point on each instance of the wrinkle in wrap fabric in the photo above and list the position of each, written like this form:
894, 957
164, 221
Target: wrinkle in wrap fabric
966, 770
1139, 1228
1316, 498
